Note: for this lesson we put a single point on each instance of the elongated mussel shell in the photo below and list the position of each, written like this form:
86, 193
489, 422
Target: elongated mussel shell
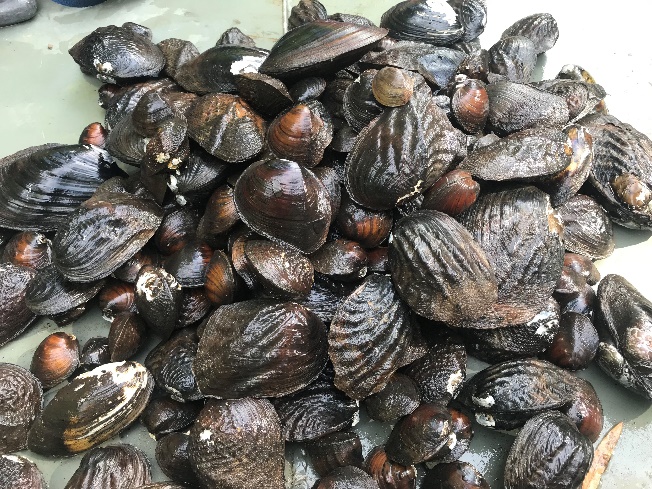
548, 452
319, 48
514, 58
541, 29
21, 402
41, 185
397, 399
158, 299
21, 473
93, 408
238, 443
587, 228
433, 22
15, 316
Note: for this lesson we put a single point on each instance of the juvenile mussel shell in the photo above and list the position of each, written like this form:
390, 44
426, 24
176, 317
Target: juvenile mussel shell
118, 55
397, 399
587, 228
514, 58
177, 52
238, 443
548, 452
388, 474
335, 450
574, 294
435, 274
392, 87
284, 202
91, 409
452, 194
173, 457
260, 348
21, 402
112, 467
21, 473
15, 316
319, 48
345, 478
55, 359
423, 21
164, 415
158, 299
29, 249
126, 336
267, 95
541, 29
40, 186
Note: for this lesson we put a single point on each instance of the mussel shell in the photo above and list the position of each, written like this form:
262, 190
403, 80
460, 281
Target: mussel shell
575, 344
238, 443
173, 457
177, 52
235, 37
94, 353
55, 359
341, 259
126, 336
195, 306
548, 452
19, 472
15, 316
335, 450
28, 249
188, 265
473, 17
453, 476
21, 402
219, 217
388, 474
198, 178
360, 107
129, 270
322, 300
158, 299
309, 88
365, 226
587, 228
150, 113
541, 29
319, 48
264, 93
433, 22
514, 58
440, 66
125, 144
123, 101
42, 185
164, 415
91, 409
221, 280
397, 399
452, 194
306, 11
260, 348
112, 467
582, 98
346, 478
330, 177
176, 230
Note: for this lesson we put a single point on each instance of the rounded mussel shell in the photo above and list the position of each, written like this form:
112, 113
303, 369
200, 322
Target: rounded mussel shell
177, 52
454, 474
55, 359
341, 259
91, 409
575, 344
159, 298
267, 95
94, 353
21, 402
452, 194
188, 265
112, 467
470, 105
514, 58
365, 226
164, 415
359, 105
173, 457
306, 11
541, 29
389, 474
221, 280
238, 443
548, 452
372, 335
397, 399
117, 297
587, 228
319, 48
433, 22
335, 450
125, 144
19, 472
29, 249
345, 477
15, 316
392, 87
40, 186
150, 113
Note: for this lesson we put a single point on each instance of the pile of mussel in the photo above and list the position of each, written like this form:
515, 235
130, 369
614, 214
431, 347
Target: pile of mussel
329, 226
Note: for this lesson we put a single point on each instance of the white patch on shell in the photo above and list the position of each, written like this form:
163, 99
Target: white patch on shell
356, 418
174, 163
13, 458
454, 382
486, 402
181, 200
443, 9
172, 184
545, 328
162, 158
147, 281
248, 64
105, 68
206, 436
485, 420
415, 191
452, 441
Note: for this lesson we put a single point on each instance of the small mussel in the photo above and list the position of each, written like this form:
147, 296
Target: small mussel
164, 415
345, 478
398, 398
21, 402
126, 336
267, 95
112, 467
388, 474
18, 472
117, 297
158, 299
306, 11
452, 194
548, 452
587, 228
29, 249
470, 105
55, 359
335, 450
392, 87
455, 475
94, 353
365, 226
173, 457
514, 58
15, 316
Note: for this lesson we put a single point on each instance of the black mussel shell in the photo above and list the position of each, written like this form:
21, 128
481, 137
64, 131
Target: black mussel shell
173, 457
94, 353
126, 336
582, 98
306, 11
195, 306
21, 402
177, 52
28, 249
176, 230
319, 48
335, 450
117, 55
587, 228
170, 362
198, 178
159, 298
455, 475
150, 113
440, 66
238, 443
353, 18
91, 409
372, 334
125, 144
15, 316
475, 65
235, 37
309, 88
435, 274
575, 344
322, 300
397, 399
513, 58
264, 93
388, 474
129, 270
330, 178
433, 22
473, 17
359, 104
42, 185
548, 452
346, 478
112, 467
19, 472
541, 29
122, 102
341, 259
164, 415
188, 265
401, 54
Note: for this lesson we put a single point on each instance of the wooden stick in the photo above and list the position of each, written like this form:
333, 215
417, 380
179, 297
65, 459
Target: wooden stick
601, 457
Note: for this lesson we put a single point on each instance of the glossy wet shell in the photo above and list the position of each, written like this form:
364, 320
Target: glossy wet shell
423, 21
372, 334
260, 348
238, 443
437, 277
388, 474
458, 475
165, 415
20, 473
21, 402
29, 249
15, 316
398, 398
55, 359
335, 450
514, 58
264, 93
346, 478
173, 457
158, 299
587, 228
541, 29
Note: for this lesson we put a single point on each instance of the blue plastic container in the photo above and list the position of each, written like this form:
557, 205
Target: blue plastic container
78, 3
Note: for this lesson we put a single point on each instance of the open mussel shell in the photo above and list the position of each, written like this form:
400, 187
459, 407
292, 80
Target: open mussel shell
460, 475
388, 474
15, 316
177, 52
173, 457
284, 202
112, 467
91, 409
513, 58
158, 299
335, 450
238, 443
21, 402
214, 70
587, 228
117, 55
264, 93
541, 29
319, 48
306, 11
397, 399
440, 278
548, 452
260, 348
42, 185
55, 359
29, 249
21, 473
433, 22
345, 477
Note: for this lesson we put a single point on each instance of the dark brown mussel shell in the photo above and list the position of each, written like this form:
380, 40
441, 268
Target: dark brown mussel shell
548, 452
125, 144
214, 70
158, 299
306, 11
401, 54
392, 87
219, 216
621, 171
440, 66
514, 58
452, 194
173, 457
454, 475
365, 226
29, 249
397, 399
582, 98
170, 362
309, 88
117, 55
123, 101
330, 177
341, 259
587, 228
423, 21
164, 415
221, 280
316, 410
435, 274
541, 29
238, 443
103, 234
91, 409
582, 265
388, 474
94, 353
319, 48
323, 299
116, 297
575, 344
470, 105
284, 202
575, 295
226, 127
15, 316
19, 472
462, 430
150, 113
126, 336
346, 478
195, 306
260, 348
267, 95
129, 270
55, 359
112, 467
195, 181
189, 264
40, 186
335, 450
372, 334
21, 402
177, 52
